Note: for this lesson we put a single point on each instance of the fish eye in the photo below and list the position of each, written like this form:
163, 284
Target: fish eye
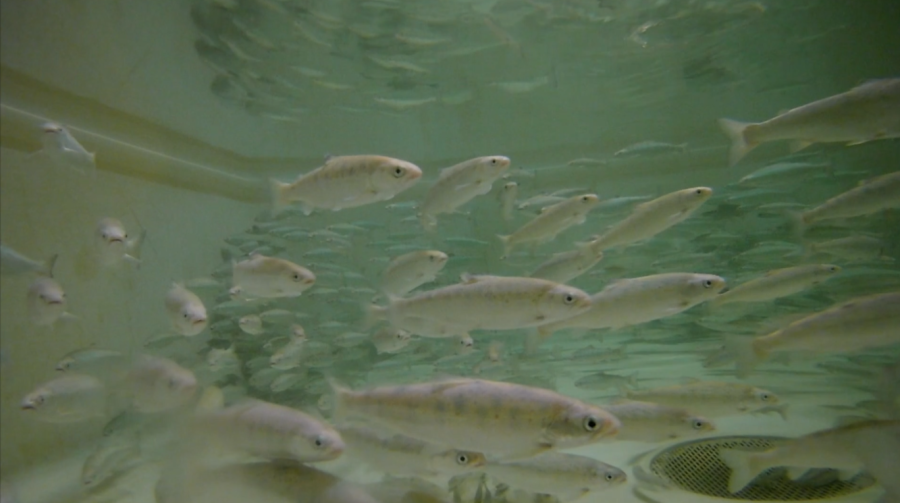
591, 423
698, 425
173, 383
42, 296
319, 441
296, 276
494, 161
398, 172
569, 299
610, 477
699, 191
186, 316
708, 283
462, 459
399, 335
764, 397
585, 198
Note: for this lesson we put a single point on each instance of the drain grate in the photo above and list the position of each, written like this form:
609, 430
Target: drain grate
696, 467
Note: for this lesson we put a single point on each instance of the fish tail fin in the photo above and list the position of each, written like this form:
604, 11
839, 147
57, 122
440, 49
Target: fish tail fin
746, 353
280, 196
49, 264
375, 314
743, 469
429, 221
735, 130
507, 245
798, 224
339, 394
632, 380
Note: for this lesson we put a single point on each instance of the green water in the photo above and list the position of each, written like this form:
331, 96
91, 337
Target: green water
191, 107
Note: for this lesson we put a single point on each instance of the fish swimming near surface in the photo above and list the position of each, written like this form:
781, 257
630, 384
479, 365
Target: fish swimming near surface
868, 112
347, 182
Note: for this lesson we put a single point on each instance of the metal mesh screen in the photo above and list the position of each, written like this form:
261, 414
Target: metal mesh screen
696, 467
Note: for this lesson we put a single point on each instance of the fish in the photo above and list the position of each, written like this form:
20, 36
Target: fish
157, 384
289, 355
458, 185
857, 324
868, 112
566, 266
604, 380
111, 457
485, 303
867, 445
508, 200
402, 455
68, 399
650, 218
551, 221
852, 248
651, 422
783, 172
347, 182
113, 246
522, 86
650, 148
251, 324
47, 302
270, 277
870, 196
777, 283
257, 481
495, 418
93, 361
567, 476
708, 398
411, 270
63, 149
390, 340
223, 360
12, 262
639, 300
187, 314
269, 431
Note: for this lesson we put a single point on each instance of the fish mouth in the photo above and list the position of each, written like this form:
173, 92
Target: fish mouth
116, 240
28, 406
54, 302
198, 322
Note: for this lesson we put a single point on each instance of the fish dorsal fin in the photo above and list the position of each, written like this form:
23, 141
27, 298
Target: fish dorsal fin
467, 279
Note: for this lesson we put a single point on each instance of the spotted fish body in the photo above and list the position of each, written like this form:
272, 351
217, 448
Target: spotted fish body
499, 419
484, 303
347, 182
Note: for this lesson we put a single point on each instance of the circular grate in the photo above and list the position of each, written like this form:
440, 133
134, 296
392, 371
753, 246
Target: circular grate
696, 467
